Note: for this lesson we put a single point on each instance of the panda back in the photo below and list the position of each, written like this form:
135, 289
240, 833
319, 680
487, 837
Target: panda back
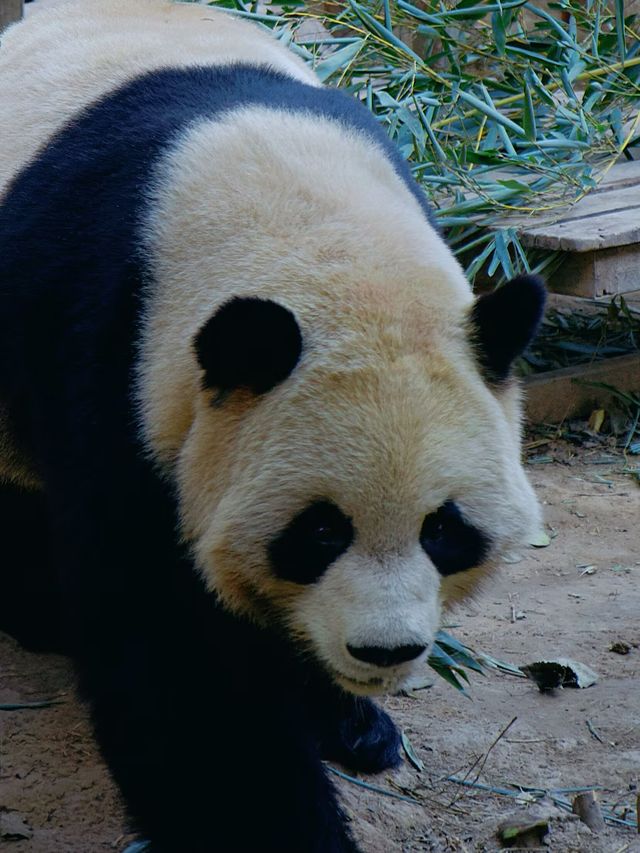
87, 48
79, 194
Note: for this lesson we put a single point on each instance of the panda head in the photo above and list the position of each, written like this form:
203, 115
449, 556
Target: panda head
347, 487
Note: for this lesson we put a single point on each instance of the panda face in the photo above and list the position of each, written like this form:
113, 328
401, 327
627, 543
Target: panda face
321, 535
348, 482
353, 500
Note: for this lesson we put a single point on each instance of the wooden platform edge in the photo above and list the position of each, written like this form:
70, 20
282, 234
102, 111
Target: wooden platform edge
560, 394
10, 11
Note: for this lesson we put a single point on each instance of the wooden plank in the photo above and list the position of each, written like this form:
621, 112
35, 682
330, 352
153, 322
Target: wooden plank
10, 11
605, 199
599, 221
604, 231
604, 273
608, 216
620, 175
557, 395
600, 236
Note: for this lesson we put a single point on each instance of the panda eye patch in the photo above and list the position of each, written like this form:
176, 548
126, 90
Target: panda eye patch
452, 543
311, 542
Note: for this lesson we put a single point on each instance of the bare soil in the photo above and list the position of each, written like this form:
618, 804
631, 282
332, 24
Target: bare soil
576, 598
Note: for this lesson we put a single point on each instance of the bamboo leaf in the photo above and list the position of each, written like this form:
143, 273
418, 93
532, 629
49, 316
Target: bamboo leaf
491, 112
540, 540
410, 752
338, 60
499, 31
439, 657
450, 677
529, 115
622, 50
376, 27
138, 847
470, 12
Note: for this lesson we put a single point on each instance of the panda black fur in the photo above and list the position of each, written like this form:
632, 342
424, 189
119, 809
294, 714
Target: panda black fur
231, 341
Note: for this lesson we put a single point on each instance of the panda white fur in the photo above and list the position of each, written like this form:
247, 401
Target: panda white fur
248, 401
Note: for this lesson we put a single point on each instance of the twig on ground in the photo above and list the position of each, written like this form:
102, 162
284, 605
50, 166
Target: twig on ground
482, 760
21, 706
481, 787
423, 797
593, 732
370, 787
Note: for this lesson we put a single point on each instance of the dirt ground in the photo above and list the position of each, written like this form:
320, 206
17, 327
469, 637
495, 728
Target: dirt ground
575, 598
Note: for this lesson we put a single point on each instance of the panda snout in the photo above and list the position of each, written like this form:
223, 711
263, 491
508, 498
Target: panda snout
386, 657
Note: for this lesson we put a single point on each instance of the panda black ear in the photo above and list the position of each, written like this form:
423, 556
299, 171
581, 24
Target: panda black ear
505, 322
248, 343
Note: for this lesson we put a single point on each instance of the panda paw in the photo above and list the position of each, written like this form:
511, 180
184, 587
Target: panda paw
365, 739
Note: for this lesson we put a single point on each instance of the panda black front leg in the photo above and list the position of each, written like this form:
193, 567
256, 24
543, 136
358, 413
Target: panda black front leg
365, 739
209, 743
357, 733
209, 770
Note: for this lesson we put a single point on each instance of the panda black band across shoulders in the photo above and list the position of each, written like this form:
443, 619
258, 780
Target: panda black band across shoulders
69, 221
123, 133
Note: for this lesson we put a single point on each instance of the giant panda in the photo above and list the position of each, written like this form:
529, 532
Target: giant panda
255, 431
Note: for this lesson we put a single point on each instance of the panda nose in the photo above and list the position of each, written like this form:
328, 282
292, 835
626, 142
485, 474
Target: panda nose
381, 656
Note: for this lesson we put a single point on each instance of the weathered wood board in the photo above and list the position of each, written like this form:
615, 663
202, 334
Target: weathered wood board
599, 234
554, 396
606, 272
10, 11
604, 218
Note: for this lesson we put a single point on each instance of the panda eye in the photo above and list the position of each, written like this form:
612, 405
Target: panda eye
328, 536
311, 542
433, 528
451, 542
